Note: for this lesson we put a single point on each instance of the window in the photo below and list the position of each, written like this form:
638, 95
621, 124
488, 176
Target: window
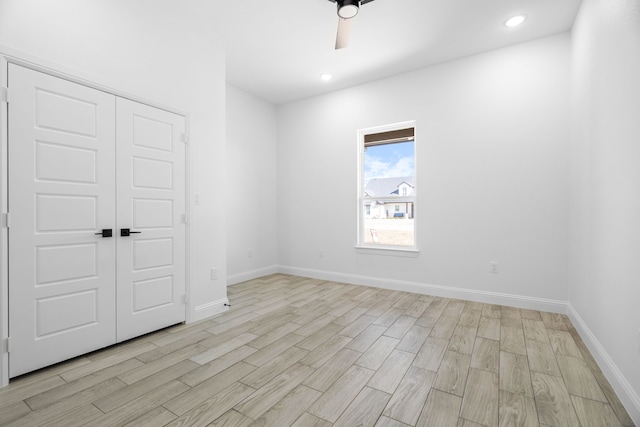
387, 187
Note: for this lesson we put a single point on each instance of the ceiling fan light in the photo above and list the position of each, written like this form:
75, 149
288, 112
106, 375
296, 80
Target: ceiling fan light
347, 9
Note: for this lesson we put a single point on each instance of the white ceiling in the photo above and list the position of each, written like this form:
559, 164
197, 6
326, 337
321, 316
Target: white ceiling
277, 49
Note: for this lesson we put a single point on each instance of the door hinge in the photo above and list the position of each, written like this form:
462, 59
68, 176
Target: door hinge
185, 138
185, 300
4, 94
185, 219
8, 345
6, 220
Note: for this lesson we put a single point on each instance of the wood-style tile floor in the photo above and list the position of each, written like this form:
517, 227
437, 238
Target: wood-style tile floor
300, 352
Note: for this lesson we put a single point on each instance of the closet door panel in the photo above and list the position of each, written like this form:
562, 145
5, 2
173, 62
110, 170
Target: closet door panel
61, 193
151, 204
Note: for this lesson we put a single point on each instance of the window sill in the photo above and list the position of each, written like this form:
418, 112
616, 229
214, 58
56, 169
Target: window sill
388, 251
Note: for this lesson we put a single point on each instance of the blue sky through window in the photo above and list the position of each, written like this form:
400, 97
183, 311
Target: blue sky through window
389, 161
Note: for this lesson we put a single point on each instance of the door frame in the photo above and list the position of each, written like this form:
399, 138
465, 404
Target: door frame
10, 56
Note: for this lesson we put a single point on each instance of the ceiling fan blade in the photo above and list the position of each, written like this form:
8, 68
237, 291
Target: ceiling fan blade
344, 29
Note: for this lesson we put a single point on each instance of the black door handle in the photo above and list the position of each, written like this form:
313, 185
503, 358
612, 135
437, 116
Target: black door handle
124, 232
106, 232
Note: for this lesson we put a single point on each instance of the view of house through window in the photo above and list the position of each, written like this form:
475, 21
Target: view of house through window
387, 180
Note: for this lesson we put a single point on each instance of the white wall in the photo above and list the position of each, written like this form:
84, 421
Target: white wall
160, 50
252, 241
604, 266
492, 154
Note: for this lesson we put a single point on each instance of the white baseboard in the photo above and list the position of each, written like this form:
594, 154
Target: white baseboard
628, 396
532, 303
209, 309
252, 274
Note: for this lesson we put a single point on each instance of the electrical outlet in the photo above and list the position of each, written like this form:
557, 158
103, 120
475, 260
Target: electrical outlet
196, 199
214, 274
321, 254
250, 253
493, 267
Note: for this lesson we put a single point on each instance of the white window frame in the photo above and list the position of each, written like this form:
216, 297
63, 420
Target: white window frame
378, 249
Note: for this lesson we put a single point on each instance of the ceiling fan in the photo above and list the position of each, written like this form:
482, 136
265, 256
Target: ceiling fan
347, 10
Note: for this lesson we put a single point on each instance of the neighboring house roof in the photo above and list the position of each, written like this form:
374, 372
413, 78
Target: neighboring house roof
380, 187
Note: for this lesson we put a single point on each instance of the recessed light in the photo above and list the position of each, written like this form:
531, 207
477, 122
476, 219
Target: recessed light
326, 77
514, 21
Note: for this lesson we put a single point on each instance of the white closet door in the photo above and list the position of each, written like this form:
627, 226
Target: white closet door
151, 204
61, 193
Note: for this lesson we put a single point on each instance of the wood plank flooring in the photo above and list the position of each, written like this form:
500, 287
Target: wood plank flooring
299, 352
